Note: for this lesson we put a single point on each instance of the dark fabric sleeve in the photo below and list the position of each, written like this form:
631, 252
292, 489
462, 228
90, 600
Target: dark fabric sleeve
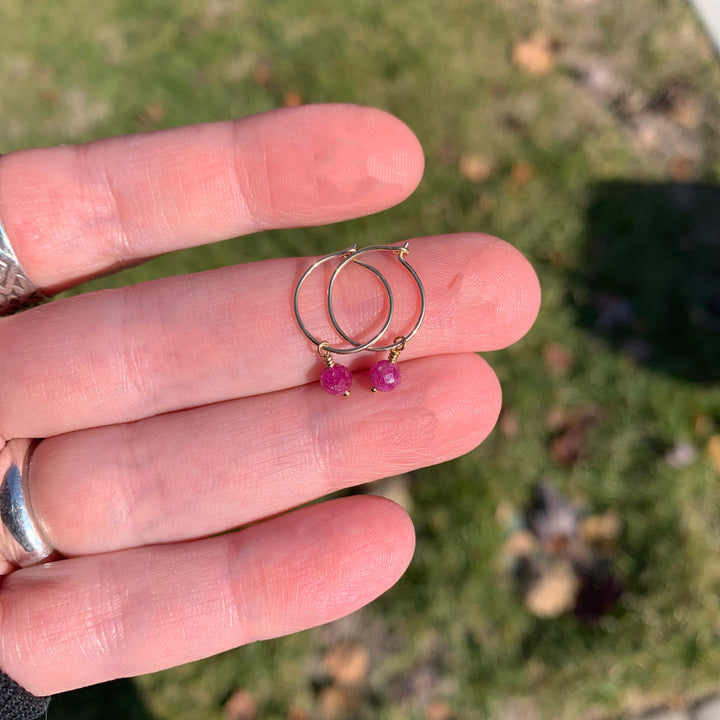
16, 703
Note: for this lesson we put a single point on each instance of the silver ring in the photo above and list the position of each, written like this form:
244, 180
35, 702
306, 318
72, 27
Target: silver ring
16, 289
21, 540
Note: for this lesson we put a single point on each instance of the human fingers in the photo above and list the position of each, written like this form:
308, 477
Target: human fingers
79, 211
123, 355
85, 620
206, 470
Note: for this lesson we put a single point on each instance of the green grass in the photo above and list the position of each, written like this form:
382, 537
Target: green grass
600, 213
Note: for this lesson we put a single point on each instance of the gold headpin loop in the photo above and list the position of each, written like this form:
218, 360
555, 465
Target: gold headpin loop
324, 353
395, 352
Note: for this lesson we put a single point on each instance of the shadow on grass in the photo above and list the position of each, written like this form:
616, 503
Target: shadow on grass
650, 283
109, 701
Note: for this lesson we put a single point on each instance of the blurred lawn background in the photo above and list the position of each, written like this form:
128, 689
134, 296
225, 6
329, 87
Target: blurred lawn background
587, 133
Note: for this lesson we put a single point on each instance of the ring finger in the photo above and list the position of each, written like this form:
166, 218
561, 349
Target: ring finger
206, 470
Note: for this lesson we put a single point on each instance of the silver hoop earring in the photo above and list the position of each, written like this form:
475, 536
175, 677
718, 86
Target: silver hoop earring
384, 374
336, 379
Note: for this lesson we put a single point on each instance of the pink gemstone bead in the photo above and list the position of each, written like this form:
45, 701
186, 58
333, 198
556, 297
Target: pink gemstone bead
336, 380
384, 375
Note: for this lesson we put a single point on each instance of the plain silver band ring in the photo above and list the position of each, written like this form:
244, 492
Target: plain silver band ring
21, 540
16, 289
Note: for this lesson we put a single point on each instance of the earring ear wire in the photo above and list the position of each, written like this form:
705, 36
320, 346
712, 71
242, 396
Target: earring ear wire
384, 374
335, 378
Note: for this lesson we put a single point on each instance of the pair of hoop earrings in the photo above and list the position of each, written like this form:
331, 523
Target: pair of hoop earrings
384, 374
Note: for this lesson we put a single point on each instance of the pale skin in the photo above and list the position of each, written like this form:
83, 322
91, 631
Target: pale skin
185, 407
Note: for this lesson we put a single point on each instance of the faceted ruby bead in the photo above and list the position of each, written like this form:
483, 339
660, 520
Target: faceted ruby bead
336, 380
384, 375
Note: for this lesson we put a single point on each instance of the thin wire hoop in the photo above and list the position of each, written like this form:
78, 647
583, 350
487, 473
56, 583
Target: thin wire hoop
401, 340
349, 254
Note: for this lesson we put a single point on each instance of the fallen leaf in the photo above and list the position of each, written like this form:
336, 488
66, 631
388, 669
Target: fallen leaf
508, 423
335, 703
681, 169
296, 713
702, 425
554, 592
476, 168
521, 174
558, 359
713, 452
520, 544
534, 55
50, 95
292, 98
152, 115
601, 531
568, 446
556, 418
241, 706
439, 710
347, 663
262, 73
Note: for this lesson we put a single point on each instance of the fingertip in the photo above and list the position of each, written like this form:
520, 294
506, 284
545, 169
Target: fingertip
400, 157
490, 290
522, 304
465, 397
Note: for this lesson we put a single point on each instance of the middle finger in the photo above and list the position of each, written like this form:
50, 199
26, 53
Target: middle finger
122, 355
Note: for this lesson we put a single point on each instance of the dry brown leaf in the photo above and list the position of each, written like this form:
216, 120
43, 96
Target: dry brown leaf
336, 702
151, 116
520, 544
713, 452
534, 55
702, 424
292, 98
439, 710
262, 73
296, 713
558, 359
556, 418
50, 95
555, 591
568, 446
476, 168
521, 174
681, 169
601, 531
241, 706
347, 663
509, 425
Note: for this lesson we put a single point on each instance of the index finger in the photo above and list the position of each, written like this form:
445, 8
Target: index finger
73, 213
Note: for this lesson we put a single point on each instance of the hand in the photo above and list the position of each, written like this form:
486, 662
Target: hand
178, 409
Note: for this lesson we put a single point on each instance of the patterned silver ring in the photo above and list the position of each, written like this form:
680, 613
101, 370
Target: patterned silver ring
16, 289
22, 542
